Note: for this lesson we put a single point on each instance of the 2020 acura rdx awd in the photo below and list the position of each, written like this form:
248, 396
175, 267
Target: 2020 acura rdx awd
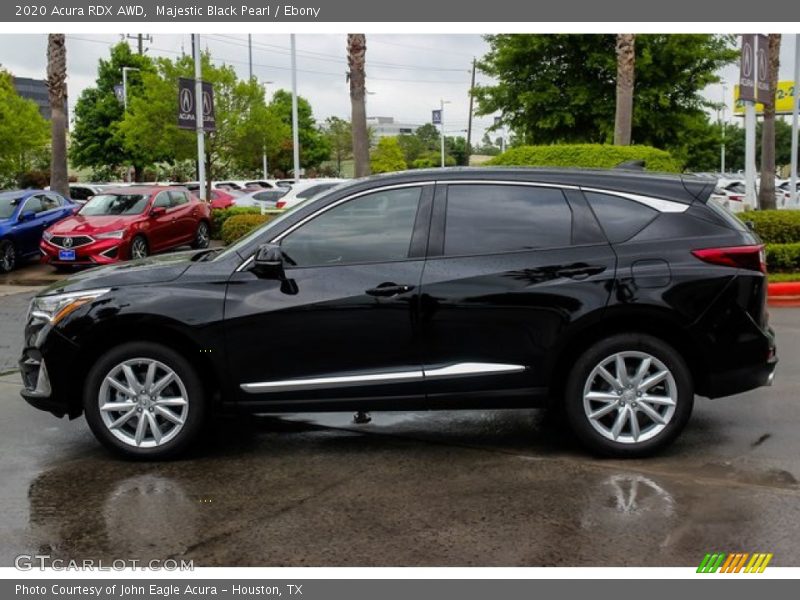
615, 295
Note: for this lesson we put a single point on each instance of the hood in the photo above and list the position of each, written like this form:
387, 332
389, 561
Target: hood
90, 225
153, 269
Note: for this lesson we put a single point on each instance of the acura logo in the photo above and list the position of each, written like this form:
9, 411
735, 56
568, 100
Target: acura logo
747, 60
67, 242
187, 100
208, 106
762, 64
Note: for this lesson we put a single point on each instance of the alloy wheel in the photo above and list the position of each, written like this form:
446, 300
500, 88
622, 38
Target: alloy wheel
9, 258
138, 248
202, 236
143, 402
630, 397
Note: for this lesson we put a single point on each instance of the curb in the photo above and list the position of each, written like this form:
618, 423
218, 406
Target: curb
784, 294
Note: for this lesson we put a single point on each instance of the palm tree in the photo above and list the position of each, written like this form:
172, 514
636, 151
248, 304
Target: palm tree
766, 192
356, 56
626, 60
57, 87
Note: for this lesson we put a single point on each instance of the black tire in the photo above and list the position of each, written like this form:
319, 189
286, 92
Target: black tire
139, 239
202, 237
8, 256
581, 424
187, 376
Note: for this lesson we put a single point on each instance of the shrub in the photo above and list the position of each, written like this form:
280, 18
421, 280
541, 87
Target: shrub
775, 226
599, 156
387, 156
240, 225
218, 217
783, 257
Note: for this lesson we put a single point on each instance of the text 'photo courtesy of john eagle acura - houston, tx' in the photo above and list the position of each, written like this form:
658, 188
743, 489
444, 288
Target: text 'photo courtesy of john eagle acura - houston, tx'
611, 296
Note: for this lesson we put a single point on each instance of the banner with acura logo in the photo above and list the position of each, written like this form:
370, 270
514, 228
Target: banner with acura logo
187, 109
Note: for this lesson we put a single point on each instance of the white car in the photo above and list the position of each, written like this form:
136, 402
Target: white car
730, 193
261, 198
305, 189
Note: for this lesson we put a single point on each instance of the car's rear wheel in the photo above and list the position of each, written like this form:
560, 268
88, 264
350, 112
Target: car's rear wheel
144, 400
139, 248
8, 256
202, 237
629, 395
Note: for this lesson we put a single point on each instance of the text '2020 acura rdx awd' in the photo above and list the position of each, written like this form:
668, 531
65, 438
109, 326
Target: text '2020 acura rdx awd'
614, 295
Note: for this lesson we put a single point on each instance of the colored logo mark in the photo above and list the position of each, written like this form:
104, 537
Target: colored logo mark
737, 562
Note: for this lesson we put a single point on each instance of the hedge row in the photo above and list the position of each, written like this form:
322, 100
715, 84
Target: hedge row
783, 257
598, 156
218, 217
237, 226
775, 226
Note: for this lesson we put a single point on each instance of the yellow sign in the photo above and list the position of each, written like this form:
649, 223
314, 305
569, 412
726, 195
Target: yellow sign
783, 100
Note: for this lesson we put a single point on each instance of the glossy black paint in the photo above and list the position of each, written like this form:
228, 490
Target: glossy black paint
538, 307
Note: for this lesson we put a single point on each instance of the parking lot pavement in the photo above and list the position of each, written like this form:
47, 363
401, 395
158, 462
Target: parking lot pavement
473, 488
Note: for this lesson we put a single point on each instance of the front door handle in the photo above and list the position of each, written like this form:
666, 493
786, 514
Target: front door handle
389, 289
580, 271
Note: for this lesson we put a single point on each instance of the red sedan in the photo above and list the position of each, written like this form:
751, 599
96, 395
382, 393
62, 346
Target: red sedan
221, 200
128, 223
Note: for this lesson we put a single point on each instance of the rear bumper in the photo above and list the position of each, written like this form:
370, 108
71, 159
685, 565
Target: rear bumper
740, 380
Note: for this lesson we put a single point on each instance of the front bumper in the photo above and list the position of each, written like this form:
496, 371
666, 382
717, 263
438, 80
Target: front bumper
98, 252
52, 385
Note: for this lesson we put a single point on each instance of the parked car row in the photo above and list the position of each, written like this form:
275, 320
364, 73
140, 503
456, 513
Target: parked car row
115, 224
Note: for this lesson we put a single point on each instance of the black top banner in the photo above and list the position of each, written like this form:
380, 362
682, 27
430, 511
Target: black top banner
464, 11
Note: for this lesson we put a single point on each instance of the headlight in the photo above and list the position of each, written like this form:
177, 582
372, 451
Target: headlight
116, 235
57, 306
47, 235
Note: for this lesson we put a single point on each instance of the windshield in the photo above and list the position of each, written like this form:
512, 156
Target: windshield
114, 204
8, 204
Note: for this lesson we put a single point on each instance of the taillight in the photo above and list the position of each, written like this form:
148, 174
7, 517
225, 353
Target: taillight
280, 204
741, 257
736, 198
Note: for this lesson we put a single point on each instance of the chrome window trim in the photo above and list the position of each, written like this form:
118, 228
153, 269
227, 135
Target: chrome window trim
659, 204
324, 209
466, 369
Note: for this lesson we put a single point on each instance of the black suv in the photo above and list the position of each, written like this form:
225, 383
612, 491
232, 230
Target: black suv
615, 296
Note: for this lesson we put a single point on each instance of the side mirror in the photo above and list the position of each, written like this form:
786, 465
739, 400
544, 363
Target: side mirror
157, 211
268, 262
28, 215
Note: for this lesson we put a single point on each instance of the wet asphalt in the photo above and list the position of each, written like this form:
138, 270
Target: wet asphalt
477, 488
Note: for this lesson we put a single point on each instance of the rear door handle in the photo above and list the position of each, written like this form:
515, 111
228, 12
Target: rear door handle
388, 289
580, 271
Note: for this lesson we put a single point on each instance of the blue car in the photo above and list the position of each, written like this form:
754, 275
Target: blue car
24, 215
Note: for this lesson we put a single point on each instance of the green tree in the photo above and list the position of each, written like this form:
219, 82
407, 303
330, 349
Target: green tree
340, 139
96, 140
24, 133
387, 156
429, 136
244, 124
314, 148
456, 147
561, 88
734, 145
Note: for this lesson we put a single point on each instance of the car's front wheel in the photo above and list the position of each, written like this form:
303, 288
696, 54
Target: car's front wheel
144, 400
139, 248
629, 395
8, 256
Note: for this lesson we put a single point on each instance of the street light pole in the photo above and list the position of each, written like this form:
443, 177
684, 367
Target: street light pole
295, 132
795, 97
722, 127
441, 124
264, 84
201, 140
125, 85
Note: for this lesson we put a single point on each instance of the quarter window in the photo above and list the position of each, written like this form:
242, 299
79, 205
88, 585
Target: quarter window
619, 217
376, 227
487, 219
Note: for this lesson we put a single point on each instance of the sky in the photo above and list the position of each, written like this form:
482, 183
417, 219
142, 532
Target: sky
407, 75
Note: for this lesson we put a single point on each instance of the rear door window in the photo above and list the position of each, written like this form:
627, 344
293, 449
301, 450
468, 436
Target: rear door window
491, 218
